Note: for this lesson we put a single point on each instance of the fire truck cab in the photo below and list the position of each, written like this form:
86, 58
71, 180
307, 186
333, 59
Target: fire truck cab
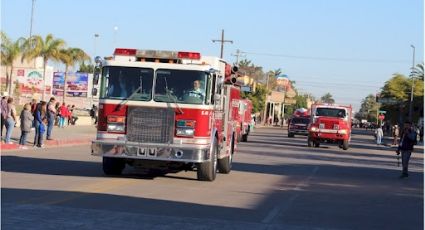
330, 123
165, 110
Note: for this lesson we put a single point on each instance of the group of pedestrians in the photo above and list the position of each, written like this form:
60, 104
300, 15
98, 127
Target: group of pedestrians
40, 117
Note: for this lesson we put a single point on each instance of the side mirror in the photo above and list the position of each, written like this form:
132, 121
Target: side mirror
94, 92
217, 97
96, 75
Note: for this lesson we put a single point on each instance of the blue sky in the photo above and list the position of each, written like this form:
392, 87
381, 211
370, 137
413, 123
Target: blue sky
346, 48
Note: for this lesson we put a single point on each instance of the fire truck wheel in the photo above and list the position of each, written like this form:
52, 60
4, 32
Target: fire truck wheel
113, 166
316, 144
290, 135
207, 171
309, 142
244, 137
225, 164
345, 145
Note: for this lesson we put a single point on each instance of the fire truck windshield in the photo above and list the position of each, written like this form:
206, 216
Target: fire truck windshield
124, 82
331, 112
180, 86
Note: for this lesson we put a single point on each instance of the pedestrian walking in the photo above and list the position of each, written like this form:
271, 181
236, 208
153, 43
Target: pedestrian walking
405, 148
50, 115
26, 119
73, 118
395, 134
4, 112
10, 119
93, 113
40, 118
379, 135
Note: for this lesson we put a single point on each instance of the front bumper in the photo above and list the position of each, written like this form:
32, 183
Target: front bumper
187, 153
329, 136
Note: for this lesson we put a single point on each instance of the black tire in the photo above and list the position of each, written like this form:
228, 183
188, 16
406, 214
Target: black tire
207, 171
225, 165
291, 135
316, 144
113, 166
244, 137
340, 144
309, 142
345, 145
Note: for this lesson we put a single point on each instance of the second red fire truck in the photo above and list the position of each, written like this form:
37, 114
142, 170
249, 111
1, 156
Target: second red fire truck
166, 110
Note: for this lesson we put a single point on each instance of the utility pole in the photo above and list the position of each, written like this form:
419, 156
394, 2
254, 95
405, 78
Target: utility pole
412, 89
222, 41
238, 54
32, 16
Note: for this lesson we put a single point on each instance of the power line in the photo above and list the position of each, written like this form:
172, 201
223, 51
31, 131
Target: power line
329, 58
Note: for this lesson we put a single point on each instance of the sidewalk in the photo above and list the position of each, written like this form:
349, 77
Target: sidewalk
70, 135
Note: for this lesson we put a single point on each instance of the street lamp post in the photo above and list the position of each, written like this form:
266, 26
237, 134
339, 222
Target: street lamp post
412, 88
95, 44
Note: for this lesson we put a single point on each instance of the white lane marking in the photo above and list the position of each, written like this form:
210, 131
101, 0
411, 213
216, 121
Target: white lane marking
285, 205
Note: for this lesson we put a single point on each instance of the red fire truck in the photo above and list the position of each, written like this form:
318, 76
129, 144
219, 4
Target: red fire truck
330, 123
245, 118
166, 110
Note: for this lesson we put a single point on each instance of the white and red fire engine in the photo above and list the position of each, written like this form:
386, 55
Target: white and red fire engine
166, 110
330, 123
245, 119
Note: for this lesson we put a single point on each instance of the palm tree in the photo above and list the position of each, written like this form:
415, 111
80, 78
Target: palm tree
48, 49
70, 57
9, 52
327, 98
418, 71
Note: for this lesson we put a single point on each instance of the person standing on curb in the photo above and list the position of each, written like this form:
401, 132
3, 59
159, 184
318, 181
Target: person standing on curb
379, 135
4, 112
51, 116
396, 133
10, 120
26, 124
39, 116
405, 148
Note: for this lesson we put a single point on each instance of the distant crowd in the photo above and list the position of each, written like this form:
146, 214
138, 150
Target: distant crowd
39, 116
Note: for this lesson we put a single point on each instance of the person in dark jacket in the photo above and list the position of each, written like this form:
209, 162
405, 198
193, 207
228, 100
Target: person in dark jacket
405, 148
40, 117
26, 123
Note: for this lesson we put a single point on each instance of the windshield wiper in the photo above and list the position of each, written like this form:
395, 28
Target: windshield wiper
118, 107
173, 98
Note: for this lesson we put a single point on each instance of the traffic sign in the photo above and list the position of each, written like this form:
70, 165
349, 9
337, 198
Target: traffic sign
381, 117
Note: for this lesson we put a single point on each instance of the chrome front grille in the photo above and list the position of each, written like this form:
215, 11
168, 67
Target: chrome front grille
150, 125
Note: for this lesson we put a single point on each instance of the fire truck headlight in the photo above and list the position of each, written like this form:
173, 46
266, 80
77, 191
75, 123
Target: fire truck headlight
116, 127
314, 129
342, 131
186, 132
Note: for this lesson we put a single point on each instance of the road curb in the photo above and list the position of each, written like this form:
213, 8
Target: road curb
50, 143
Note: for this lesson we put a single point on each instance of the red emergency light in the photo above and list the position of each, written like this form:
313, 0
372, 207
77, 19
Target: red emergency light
125, 52
189, 55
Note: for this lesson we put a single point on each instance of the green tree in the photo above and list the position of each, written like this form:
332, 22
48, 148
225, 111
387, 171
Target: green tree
70, 57
86, 68
48, 48
10, 51
327, 98
368, 108
397, 91
258, 98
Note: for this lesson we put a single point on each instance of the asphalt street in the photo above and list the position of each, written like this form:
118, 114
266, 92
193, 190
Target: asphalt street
276, 183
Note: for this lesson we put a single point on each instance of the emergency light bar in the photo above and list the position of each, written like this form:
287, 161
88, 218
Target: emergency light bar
157, 54
125, 52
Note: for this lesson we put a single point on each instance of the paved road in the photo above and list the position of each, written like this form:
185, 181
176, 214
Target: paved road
277, 183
